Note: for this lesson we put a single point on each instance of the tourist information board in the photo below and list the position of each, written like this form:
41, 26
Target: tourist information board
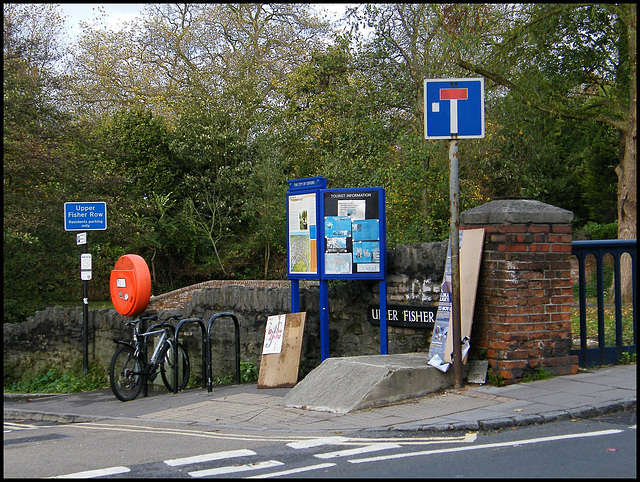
335, 234
353, 234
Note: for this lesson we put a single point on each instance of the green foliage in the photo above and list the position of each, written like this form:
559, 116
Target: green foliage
52, 380
192, 151
628, 358
565, 163
495, 379
248, 373
594, 230
541, 374
136, 142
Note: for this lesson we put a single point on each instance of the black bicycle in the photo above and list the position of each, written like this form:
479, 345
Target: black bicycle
129, 368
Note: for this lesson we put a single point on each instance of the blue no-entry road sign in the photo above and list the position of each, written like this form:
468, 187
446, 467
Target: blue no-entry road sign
453, 108
83, 216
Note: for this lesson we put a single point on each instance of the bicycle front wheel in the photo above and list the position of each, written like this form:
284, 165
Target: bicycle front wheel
125, 374
167, 368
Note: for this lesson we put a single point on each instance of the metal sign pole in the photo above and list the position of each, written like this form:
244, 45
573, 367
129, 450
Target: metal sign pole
85, 320
454, 198
454, 109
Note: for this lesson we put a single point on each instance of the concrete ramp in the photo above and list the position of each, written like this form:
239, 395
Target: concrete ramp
345, 384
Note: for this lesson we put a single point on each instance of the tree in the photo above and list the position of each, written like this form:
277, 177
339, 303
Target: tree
570, 60
231, 53
410, 45
35, 161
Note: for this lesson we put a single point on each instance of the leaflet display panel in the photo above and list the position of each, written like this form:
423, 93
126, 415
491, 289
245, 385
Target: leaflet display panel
302, 229
353, 234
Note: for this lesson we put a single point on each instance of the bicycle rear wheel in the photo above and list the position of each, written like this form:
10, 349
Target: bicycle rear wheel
125, 374
167, 367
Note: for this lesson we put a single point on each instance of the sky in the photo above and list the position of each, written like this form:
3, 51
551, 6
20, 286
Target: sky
122, 12
118, 13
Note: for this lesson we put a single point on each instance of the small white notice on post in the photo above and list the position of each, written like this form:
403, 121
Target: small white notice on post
85, 261
273, 334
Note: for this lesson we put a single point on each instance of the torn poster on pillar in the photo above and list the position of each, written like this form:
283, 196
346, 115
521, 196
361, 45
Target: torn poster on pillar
471, 243
443, 366
443, 316
439, 363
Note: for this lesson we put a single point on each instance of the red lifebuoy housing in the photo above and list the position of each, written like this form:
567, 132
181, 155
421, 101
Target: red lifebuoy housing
130, 285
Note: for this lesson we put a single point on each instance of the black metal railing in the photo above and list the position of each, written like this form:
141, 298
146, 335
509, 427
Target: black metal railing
603, 354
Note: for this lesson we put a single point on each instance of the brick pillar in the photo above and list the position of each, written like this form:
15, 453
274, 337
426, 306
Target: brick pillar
523, 305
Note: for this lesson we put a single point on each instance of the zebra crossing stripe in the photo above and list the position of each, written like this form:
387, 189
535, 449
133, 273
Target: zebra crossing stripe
95, 473
358, 450
317, 442
235, 468
209, 457
292, 471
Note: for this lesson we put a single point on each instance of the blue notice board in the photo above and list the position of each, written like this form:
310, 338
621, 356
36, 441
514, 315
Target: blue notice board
453, 108
353, 234
336, 234
302, 227
85, 216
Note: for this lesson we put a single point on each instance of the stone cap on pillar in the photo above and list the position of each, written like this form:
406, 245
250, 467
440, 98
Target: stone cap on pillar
516, 211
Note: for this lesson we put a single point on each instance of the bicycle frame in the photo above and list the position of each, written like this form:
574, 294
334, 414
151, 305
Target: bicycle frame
139, 345
159, 345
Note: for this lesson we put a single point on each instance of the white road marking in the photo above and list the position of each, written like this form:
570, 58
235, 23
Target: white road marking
209, 457
10, 426
466, 438
358, 450
469, 437
235, 468
317, 442
95, 473
292, 471
485, 446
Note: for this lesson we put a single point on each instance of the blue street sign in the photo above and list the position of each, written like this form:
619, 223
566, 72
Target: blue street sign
83, 216
453, 108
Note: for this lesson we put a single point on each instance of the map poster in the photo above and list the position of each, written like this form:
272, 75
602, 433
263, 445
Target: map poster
302, 234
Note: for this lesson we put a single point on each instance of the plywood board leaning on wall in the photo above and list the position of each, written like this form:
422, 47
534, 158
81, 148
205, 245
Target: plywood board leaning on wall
279, 365
470, 259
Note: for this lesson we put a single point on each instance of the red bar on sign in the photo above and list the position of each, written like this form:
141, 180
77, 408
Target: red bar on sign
453, 94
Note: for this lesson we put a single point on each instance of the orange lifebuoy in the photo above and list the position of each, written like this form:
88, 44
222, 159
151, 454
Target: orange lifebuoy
130, 285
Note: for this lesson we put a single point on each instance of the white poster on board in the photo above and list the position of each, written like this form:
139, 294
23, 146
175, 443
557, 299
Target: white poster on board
273, 334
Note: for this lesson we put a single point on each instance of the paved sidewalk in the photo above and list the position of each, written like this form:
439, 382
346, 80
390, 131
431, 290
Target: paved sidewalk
473, 407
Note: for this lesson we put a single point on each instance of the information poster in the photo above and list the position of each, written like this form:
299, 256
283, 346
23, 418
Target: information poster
273, 334
302, 234
352, 233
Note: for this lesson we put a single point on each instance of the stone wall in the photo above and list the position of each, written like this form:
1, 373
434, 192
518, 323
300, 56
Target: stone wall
53, 337
522, 312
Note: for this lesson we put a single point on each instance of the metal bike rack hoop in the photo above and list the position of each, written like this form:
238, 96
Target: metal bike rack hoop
237, 337
175, 352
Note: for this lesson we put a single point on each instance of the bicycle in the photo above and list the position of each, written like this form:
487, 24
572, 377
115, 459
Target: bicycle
129, 369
